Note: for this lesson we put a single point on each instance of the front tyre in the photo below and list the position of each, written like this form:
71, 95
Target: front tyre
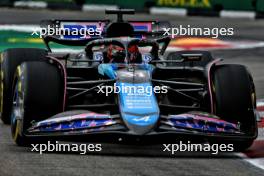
235, 101
9, 61
38, 94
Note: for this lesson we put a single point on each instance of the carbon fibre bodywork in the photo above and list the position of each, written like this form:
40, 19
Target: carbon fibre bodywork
140, 115
187, 108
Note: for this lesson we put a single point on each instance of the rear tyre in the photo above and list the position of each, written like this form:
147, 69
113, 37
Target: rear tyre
38, 94
10, 59
234, 99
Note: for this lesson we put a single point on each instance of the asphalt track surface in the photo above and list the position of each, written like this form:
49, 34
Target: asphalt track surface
136, 160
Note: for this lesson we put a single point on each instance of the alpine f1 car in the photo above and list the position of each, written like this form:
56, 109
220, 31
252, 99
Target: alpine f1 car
181, 94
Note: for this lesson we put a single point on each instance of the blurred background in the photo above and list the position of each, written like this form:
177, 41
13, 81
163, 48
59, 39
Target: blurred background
142, 5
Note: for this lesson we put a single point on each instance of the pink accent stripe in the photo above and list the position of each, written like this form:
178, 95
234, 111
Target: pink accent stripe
65, 80
209, 82
206, 118
200, 117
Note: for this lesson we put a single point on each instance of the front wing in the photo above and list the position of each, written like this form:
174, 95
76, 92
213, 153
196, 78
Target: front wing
110, 128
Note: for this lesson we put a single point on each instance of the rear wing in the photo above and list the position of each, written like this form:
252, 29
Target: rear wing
83, 29
79, 33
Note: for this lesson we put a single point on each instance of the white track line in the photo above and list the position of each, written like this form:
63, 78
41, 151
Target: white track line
258, 162
260, 102
92, 7
31, 4
168, 11
237, 14
261, 135
19, 28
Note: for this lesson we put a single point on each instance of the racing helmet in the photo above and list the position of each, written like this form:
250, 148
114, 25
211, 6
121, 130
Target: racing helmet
134, 55
116, 54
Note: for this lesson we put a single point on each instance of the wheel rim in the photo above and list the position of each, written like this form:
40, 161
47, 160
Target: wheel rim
17, 111
1, 84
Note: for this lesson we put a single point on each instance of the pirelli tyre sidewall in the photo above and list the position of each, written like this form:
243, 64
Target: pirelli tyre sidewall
37, 95
9, 60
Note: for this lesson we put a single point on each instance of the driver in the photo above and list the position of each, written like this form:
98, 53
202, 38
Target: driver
134, 54
117, 54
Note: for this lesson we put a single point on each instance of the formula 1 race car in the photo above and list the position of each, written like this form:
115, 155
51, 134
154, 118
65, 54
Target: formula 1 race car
125, 86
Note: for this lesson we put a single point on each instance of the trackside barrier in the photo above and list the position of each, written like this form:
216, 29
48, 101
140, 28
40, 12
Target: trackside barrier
243, 5
5, 2
260, 6
222, 8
